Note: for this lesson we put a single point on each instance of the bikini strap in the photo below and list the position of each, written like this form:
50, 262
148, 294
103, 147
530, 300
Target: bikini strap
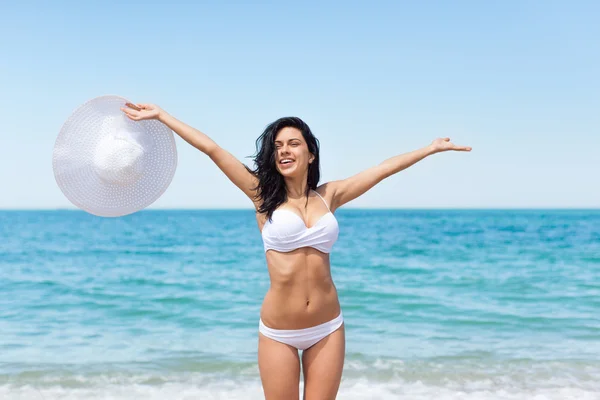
322, 199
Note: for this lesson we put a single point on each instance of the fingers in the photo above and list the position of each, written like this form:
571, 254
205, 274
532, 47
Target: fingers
462, 148
129, 111
132, 114
131, 105
455, 147
446, 145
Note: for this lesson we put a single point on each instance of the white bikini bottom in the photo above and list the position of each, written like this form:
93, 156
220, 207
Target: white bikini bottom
302, 339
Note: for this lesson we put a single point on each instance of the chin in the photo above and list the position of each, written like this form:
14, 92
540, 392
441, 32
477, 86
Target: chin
288, 173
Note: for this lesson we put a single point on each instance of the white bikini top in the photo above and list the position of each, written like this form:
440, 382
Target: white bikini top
287, 231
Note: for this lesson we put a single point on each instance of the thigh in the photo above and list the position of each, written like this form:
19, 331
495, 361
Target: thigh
322, 365
279, 366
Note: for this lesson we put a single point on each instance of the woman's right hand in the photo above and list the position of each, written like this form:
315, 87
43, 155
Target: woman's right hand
140, 112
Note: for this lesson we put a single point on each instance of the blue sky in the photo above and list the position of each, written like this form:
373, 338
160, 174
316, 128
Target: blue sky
519, 81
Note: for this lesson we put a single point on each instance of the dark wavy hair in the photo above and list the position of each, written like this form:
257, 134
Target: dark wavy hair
271, 189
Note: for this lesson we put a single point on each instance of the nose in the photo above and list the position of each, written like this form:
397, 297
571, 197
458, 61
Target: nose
283, 150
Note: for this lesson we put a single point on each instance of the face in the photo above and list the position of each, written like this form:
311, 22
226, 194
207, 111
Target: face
291, 152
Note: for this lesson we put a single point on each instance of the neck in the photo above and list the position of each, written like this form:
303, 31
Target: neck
296, 188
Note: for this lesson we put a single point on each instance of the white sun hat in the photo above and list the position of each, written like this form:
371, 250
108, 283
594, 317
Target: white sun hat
109, 165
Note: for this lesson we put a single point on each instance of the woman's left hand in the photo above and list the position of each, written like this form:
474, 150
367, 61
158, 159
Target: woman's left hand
444, 144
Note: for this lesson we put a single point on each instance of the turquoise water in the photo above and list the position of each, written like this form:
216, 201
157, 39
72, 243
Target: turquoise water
452, 304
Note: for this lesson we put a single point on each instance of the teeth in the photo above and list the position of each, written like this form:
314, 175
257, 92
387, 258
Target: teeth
286, 161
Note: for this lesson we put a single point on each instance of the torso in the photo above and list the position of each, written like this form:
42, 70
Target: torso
302, 293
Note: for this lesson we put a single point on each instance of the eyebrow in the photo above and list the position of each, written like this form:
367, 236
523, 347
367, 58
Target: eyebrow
289, 140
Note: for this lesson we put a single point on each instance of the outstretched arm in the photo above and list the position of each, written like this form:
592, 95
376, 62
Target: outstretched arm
350, 188
231, 166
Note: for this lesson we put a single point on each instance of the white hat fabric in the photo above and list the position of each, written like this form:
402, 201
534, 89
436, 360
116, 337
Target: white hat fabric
109, 165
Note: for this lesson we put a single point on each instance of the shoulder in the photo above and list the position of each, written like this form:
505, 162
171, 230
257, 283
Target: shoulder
327, 191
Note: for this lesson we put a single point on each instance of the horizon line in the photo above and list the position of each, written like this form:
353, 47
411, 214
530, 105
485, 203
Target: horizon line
341, 208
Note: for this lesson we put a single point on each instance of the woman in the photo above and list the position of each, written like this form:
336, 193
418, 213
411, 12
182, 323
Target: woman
296, 218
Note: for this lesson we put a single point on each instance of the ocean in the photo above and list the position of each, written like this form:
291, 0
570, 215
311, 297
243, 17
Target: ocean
164, 304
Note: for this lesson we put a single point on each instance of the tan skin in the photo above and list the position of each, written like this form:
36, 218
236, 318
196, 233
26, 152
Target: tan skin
302, 293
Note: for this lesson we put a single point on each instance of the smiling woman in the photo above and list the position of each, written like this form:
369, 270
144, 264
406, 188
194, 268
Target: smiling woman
301, 310
294, 142
286, 149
